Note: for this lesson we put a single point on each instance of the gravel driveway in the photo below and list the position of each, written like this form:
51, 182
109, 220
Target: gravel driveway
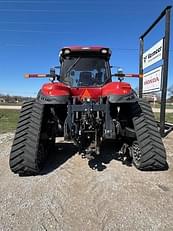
71, 196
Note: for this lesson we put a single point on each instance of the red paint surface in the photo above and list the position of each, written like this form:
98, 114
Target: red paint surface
55, 89
95, 92
116, 88
60, 89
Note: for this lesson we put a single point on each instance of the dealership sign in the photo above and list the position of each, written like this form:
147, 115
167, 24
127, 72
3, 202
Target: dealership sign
153, 55
152, 80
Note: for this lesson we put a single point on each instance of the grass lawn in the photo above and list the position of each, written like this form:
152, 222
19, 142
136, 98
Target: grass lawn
168, 106
8, 120
169, 117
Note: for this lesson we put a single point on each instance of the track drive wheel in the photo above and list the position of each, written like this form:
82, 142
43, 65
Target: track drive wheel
148, 151
30, 145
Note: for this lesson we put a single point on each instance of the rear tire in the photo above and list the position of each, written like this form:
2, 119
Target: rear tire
148, 151
29, 150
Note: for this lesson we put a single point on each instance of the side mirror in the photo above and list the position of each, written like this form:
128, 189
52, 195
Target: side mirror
120, 74
53, 75
58, 77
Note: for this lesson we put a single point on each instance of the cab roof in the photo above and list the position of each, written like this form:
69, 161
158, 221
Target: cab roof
86, 48
85, 51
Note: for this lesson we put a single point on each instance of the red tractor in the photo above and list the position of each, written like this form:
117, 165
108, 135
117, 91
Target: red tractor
83, 105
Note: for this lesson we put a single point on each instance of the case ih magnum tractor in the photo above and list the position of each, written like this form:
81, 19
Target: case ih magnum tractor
83, 105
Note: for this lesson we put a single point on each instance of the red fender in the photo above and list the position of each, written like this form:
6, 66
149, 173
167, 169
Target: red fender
55, 89
116, 88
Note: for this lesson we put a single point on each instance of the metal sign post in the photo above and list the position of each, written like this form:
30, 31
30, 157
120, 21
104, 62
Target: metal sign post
166, 12
141, 50
165, 71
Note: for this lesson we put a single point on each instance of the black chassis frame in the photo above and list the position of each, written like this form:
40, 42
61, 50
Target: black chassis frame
90, 107
111, 128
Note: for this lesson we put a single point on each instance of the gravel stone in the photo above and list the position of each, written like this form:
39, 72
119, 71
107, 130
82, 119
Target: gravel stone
70, 196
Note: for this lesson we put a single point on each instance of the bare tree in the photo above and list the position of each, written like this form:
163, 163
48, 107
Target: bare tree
170, 90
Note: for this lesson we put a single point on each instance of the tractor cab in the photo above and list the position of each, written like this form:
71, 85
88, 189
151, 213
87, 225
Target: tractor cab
85, 66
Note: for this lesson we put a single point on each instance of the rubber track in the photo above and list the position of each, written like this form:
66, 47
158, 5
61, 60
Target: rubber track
23, 156
149, 139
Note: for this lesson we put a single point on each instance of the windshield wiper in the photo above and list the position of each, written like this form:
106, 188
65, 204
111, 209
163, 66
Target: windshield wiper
69, 69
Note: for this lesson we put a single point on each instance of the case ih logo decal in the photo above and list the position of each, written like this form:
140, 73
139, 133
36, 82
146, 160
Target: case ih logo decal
153, 55
152, 80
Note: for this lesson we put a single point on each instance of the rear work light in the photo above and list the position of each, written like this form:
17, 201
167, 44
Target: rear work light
85, 48
67, 51
104, 51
